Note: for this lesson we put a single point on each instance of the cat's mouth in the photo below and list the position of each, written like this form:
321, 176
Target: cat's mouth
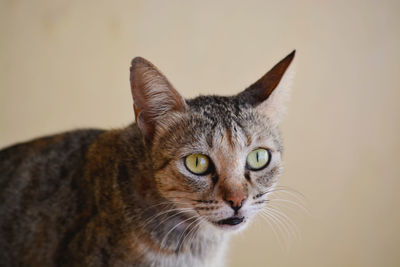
230, 222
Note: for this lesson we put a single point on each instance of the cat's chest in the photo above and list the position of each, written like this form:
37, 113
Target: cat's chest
212, 257
210, 254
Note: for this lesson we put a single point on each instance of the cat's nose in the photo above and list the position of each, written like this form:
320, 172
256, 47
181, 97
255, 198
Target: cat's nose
236, 201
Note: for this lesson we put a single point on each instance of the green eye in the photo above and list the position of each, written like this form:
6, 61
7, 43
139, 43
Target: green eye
197, 163
257, 159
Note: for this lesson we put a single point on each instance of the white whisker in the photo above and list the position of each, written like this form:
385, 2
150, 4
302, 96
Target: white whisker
281, 226
197, 221
165, 237
288, 221
266, 218
300, 206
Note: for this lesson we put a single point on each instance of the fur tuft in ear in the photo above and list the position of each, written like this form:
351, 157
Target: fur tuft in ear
154, 96
271, 91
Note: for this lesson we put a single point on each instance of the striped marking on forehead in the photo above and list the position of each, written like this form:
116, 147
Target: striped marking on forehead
227, 154
234, 137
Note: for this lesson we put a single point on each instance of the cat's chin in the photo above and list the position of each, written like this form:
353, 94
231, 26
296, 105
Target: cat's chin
231, 224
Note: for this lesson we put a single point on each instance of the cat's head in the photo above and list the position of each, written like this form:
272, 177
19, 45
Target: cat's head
214, 157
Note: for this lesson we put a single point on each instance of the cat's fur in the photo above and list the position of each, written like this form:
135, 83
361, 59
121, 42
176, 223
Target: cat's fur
124, 198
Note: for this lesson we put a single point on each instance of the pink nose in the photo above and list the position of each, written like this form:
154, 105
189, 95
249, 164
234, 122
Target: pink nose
235, 201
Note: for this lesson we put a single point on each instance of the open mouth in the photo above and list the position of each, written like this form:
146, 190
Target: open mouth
231, 221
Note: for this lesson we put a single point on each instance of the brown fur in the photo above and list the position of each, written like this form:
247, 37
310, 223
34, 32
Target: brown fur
125, 198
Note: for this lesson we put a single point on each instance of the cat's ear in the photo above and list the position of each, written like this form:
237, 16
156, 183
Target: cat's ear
153, 95
269, 93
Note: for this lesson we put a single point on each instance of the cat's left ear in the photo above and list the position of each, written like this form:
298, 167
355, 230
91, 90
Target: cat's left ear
269, 93
155, 99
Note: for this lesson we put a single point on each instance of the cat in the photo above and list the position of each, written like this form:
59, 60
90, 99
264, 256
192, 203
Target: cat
167, 190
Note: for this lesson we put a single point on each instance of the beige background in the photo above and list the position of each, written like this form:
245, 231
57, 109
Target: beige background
64, 64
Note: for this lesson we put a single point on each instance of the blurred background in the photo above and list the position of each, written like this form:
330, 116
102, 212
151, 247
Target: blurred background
65, 64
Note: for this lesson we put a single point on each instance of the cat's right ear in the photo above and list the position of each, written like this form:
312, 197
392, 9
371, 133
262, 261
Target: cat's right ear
153, 95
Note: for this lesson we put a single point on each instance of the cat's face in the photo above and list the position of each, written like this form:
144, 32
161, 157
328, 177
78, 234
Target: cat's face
215, 158
220, 159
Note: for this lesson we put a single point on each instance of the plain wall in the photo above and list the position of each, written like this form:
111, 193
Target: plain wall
65, 65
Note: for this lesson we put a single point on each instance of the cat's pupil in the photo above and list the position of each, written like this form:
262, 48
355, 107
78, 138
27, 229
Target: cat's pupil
197, 161
257, 155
